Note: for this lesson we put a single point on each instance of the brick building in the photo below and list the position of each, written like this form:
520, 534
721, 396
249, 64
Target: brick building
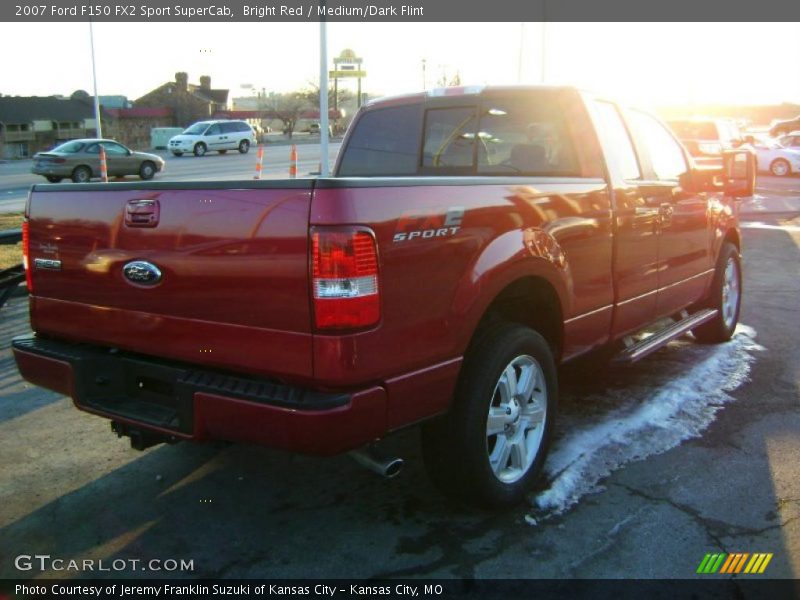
188, 102
131, 126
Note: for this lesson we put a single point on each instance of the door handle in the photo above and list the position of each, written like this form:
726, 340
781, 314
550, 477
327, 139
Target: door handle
665, 212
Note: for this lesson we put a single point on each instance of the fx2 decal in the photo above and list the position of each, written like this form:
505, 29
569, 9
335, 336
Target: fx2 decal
427, 224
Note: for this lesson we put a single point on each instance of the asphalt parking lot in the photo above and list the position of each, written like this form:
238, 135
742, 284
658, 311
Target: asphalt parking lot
693, 450
16, 178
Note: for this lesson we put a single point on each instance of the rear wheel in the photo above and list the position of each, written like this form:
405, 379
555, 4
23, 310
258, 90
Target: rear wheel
489, 450
147, 170
780, 167
726, 297
81, 174
244, 146
200, 149
54, 179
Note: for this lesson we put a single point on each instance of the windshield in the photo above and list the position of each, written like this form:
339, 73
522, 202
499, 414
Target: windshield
196, 129
695, 130
70, 147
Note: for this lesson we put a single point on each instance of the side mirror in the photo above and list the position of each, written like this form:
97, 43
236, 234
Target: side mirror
739, 172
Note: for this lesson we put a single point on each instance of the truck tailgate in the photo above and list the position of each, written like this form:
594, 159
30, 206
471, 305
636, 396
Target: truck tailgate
233, 291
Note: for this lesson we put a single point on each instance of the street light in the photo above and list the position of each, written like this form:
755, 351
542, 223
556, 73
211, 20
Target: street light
98, 125
323, 94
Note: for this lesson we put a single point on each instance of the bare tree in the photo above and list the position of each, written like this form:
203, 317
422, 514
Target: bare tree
312, 95
288, 108
445, 81
344, 95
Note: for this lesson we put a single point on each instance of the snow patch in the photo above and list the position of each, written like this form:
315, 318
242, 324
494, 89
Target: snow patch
645, 421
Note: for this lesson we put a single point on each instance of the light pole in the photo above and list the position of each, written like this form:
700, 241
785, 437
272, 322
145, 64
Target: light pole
98, 125
323, 95
544, 40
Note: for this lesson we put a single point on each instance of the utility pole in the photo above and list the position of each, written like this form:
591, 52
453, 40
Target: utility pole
544, 40
323, 94
521, 47
423, 75
98, 125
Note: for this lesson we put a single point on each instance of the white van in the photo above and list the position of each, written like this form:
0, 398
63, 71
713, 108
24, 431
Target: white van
213, 136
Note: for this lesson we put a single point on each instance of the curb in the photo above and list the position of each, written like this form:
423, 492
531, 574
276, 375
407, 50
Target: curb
779, 192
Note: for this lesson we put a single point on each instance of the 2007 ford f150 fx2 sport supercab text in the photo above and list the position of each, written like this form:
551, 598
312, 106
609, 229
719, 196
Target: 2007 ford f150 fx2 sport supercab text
470, 241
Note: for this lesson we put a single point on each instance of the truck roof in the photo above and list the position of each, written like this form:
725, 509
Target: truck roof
462, 90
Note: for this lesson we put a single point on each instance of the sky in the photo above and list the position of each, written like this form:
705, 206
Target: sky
650, 64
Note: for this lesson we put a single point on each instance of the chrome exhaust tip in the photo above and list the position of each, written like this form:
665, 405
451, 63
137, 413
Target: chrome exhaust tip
374, 460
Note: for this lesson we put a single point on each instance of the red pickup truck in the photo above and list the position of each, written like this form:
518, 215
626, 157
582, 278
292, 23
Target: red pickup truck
470, 240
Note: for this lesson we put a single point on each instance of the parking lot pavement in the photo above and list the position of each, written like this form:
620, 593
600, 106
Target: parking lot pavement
692, 450
16, 178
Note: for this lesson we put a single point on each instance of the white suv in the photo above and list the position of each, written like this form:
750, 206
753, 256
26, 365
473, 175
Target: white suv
216, 136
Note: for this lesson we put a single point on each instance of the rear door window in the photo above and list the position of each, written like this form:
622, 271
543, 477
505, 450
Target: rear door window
524, 136
385, 142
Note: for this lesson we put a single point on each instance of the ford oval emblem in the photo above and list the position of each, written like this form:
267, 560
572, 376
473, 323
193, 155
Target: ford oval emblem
142, 272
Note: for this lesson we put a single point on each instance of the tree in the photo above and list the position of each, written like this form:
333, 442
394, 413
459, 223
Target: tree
311, 94
444, 81
288, 108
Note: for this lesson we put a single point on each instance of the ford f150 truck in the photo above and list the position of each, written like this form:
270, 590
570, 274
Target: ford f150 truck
470, 240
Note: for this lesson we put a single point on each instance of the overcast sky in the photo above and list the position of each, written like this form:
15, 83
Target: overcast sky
649, 64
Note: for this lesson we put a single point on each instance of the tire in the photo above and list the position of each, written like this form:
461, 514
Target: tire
147, 170
780, 167
244, 147
200, 149
81, 174
177, 153
463, 457
54, 178
725, 296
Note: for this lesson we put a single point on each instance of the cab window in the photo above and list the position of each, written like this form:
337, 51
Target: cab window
449, 139
617, 139
385, 141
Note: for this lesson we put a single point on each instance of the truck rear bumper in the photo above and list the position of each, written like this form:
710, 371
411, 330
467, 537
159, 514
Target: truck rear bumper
183, 402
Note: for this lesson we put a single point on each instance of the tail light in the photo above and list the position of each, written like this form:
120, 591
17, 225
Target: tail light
345, 279
26, 253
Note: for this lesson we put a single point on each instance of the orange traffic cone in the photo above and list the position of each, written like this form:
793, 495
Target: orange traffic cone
103, 166
293, 162
259, 161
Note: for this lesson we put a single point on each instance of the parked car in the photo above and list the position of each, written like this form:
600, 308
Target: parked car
314, 129
214, 136
776, 158
468, 243
79, 160
707, 139
790, 141
783, 127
